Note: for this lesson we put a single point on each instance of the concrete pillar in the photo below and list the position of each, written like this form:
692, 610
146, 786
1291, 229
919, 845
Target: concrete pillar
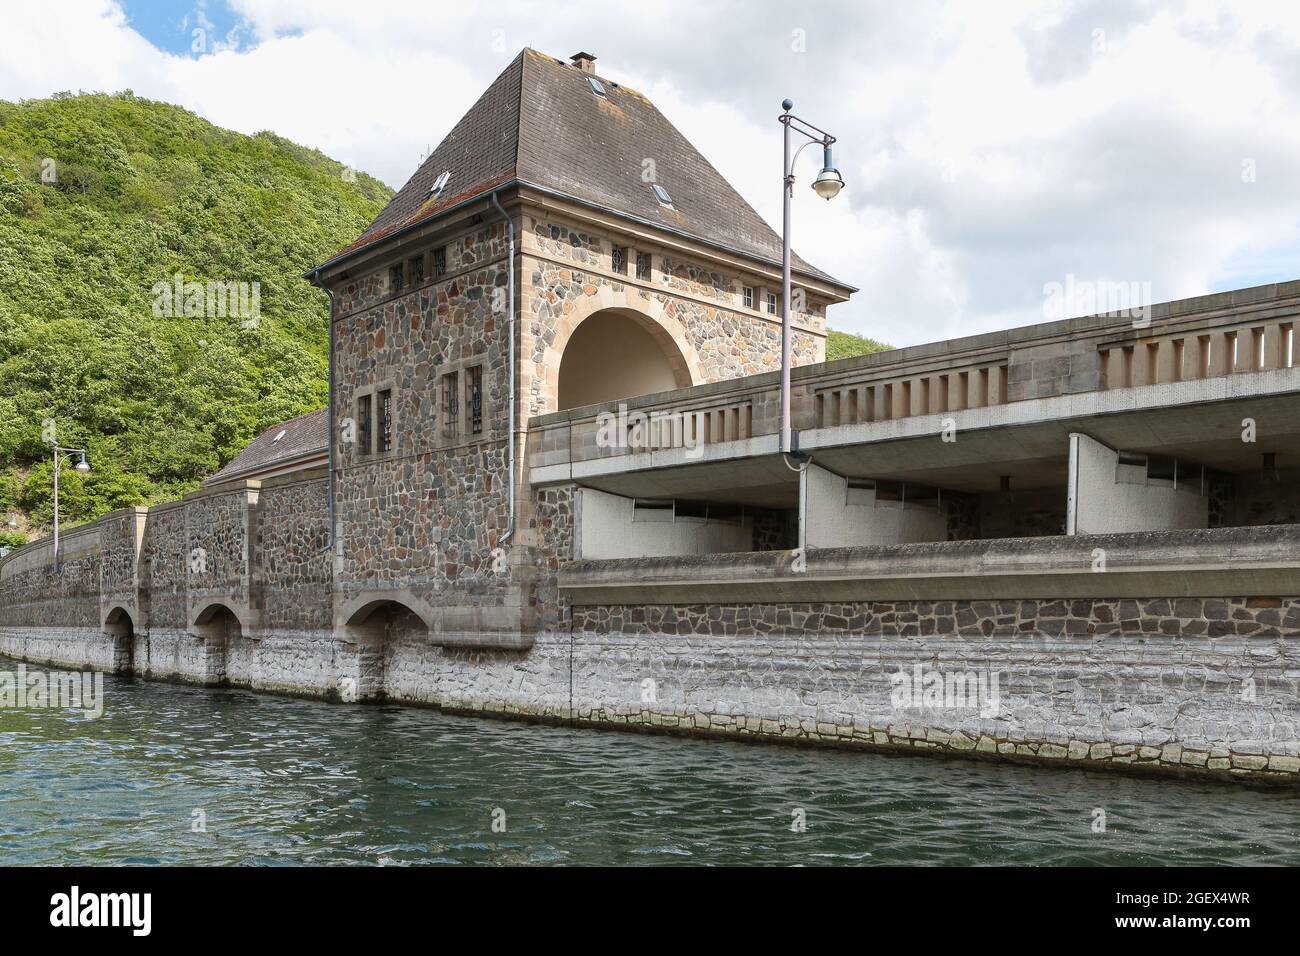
938, 393
1273, 345
833, 515
879, 407
1115, 368
1167, 361
956, 391
997, 385
920, 397
1221, 353
1107, 497
1245, 351
1194, 357
900, 404
1143, 368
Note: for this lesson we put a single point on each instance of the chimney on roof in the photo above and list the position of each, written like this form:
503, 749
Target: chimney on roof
584, 61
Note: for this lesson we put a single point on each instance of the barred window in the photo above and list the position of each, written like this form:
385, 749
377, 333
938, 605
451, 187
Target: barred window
618, 260
450, 405
415, 270
747, 293
771, 302
363, 425
474, 398
395, 279
386, 420
439, 262
643, 265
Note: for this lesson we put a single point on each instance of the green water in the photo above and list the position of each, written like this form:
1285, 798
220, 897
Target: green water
283, 781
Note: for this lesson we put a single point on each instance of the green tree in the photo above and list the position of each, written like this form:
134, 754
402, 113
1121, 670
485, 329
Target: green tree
104, 200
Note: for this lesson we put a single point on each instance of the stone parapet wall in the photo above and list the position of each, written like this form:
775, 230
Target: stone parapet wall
292, 573
35, 594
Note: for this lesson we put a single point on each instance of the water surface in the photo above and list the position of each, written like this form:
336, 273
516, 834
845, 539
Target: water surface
280, 781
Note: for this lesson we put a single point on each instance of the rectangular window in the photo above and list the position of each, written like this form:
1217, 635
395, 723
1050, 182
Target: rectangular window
451, 406
415, 270
643, 266
385, 420
747, 293
771, 303
618, 260
395, 279
363, 425
474, 398
439, 262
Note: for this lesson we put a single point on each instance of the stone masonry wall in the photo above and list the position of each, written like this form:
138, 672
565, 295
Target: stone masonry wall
563, 264
1170, 684
292, 573
426, 517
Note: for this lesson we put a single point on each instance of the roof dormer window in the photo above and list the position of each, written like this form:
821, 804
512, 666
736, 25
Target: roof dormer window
662, 195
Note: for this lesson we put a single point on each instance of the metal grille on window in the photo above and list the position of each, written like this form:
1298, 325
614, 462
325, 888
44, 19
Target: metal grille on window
439, 262
385, 420
619, 260
415, 270
643, 265
363, 425
450, 405
395, 279
474, 398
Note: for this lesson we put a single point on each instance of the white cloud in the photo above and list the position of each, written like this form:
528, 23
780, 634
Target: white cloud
989, 149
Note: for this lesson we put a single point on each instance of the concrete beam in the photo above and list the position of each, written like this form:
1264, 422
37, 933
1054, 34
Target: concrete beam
1108, 496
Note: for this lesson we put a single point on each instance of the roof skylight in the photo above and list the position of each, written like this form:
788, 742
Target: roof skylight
662, 195
440, 183
596, 86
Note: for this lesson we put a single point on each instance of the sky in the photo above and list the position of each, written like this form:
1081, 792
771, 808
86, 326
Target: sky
1007, 163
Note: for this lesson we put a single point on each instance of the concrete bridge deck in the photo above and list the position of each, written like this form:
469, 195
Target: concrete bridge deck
1112, 420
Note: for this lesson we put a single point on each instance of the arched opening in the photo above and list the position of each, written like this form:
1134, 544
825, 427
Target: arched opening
219, 630
615, 354
119, 626
391, 643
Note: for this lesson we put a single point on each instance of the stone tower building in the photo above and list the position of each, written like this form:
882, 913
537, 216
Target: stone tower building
564, 245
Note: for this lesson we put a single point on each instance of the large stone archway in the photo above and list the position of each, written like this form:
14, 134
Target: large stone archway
220, 634
385, 645
120, 628
648, 315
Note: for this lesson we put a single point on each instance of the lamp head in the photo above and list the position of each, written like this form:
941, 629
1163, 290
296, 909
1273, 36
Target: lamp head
829, 182
82, 466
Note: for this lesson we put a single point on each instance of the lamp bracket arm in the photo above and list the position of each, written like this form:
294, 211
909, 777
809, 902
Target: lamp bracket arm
814, 133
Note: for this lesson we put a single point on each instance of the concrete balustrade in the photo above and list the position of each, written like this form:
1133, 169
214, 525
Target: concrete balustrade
1188, 355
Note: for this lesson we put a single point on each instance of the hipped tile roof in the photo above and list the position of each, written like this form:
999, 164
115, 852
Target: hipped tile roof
303, 436
540, 124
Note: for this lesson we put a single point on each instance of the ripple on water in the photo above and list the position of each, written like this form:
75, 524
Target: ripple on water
282, 781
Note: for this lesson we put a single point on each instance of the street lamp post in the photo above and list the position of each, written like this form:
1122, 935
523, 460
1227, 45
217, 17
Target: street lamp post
827, 185
82, 466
